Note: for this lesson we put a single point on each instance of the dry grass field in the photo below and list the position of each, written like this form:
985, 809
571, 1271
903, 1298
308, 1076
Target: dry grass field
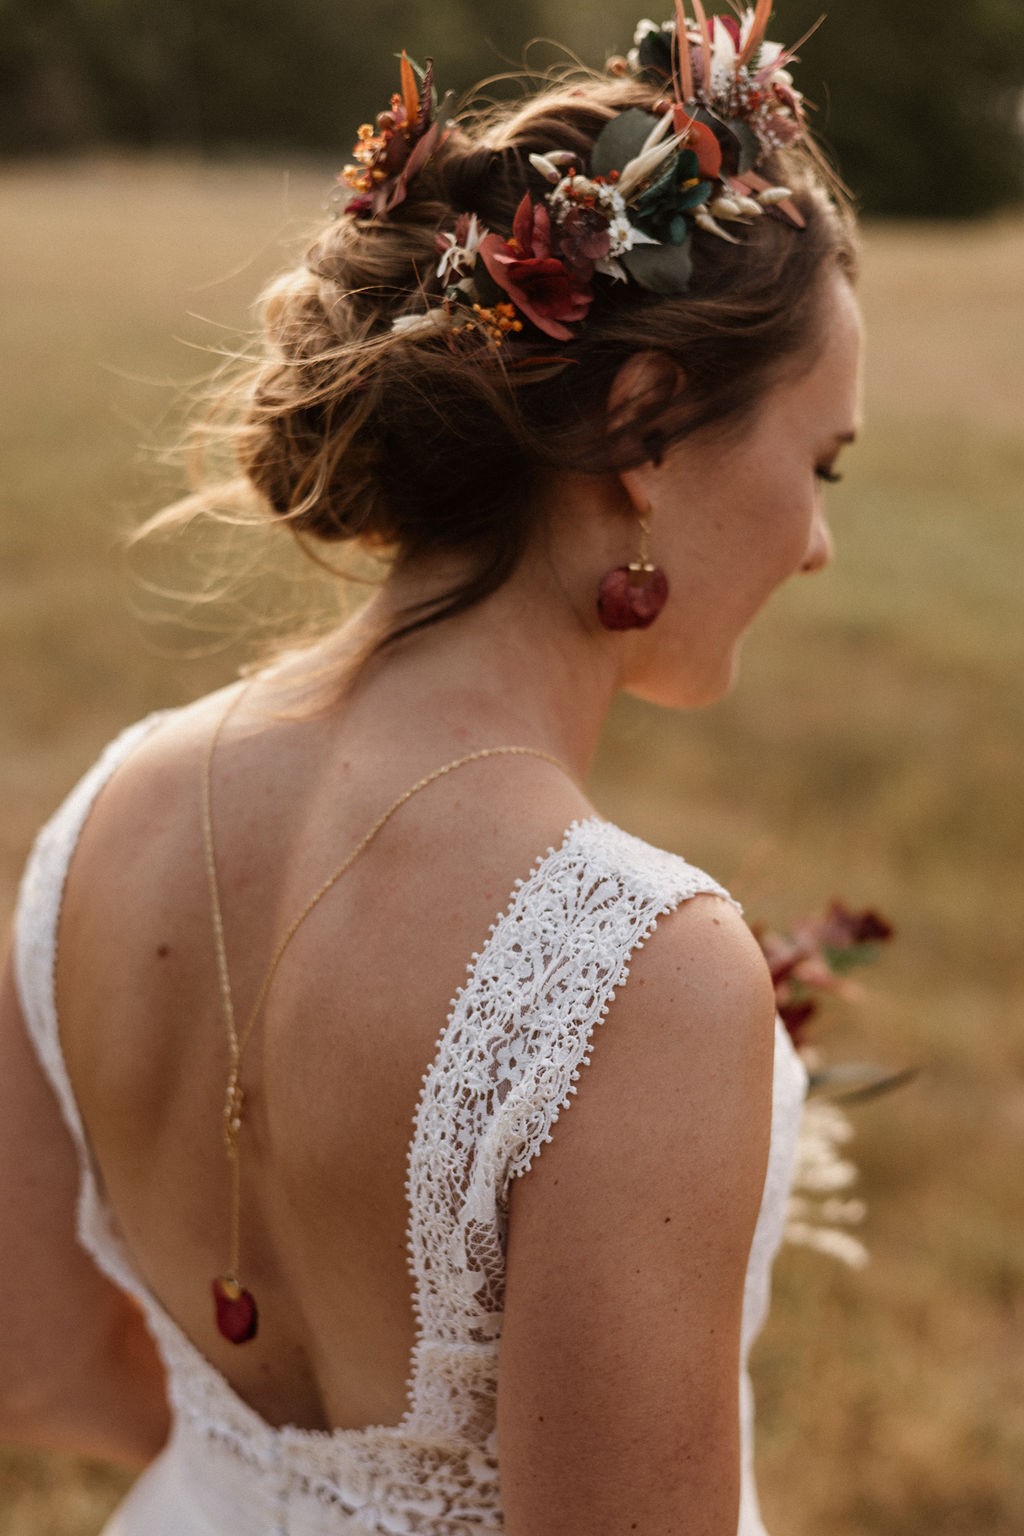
872, 748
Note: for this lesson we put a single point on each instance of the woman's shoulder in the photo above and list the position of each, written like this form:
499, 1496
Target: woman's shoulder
650, 944
139, 759
699, 1006
685, 945
135, 785
54, 856
151, 756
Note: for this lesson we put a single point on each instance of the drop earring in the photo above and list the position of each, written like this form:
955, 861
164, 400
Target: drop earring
632, 596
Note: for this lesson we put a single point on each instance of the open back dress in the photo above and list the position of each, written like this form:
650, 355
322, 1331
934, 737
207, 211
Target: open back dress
507, 1063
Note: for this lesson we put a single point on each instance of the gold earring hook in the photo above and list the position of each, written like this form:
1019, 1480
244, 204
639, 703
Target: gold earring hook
643, 560
645, 551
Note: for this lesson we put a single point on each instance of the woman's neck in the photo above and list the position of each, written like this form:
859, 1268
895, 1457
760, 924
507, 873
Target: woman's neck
522, 667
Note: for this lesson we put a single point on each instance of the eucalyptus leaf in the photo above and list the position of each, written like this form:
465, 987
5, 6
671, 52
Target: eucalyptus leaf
620, 141
660, 268
660, 210
749, 148
841, 960
655, 53
663, 184
856, 1082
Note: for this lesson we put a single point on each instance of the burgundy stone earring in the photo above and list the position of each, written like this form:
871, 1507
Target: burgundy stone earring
632, 596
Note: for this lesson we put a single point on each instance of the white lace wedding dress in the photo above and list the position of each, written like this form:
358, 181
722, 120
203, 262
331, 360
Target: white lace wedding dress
507, 1064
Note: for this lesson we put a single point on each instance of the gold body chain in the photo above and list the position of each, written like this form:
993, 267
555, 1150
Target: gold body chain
236, 1309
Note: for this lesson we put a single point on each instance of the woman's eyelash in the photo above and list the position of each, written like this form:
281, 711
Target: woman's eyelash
828, 475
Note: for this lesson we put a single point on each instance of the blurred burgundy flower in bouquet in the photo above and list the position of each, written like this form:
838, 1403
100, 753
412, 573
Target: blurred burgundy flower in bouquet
812, 960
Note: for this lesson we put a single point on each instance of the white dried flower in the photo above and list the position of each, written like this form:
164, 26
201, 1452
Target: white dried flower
725, 208
624, 236
766, 64
704, 221
817, 1212
460, 256
572, 190
772, 195
657, 147
427, 324
547, 168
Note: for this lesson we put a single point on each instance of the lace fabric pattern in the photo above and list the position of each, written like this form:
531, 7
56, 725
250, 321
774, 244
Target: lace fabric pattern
509, 1060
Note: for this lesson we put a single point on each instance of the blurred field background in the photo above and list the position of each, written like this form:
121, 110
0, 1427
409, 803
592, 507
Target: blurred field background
873, 748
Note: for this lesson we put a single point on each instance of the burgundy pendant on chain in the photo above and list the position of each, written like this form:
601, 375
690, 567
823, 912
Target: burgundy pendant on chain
236, 1314
632, 596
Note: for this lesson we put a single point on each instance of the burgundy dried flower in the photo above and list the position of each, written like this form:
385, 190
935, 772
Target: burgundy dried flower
811, 960
538, 283
584, 239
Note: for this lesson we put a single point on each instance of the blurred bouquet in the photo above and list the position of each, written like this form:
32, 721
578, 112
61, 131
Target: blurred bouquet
808, 963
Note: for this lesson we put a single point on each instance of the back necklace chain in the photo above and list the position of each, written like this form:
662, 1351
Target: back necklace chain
236, 1313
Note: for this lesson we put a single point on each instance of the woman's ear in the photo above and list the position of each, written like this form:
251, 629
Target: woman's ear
639, 392
641, 389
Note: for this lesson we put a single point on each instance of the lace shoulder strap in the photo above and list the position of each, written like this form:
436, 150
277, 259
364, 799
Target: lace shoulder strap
606, 901
37, 916
510, 1059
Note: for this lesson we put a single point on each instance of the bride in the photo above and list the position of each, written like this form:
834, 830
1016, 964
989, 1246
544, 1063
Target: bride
581, 366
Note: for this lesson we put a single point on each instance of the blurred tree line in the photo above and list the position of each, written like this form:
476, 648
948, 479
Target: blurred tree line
920, 102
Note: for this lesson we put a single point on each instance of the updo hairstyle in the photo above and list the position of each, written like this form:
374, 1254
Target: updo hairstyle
351, 431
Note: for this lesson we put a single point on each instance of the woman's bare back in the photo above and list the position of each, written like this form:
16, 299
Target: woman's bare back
334, 1069
592, 1307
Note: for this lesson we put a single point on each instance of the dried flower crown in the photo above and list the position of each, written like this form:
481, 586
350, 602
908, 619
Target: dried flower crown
629, 215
